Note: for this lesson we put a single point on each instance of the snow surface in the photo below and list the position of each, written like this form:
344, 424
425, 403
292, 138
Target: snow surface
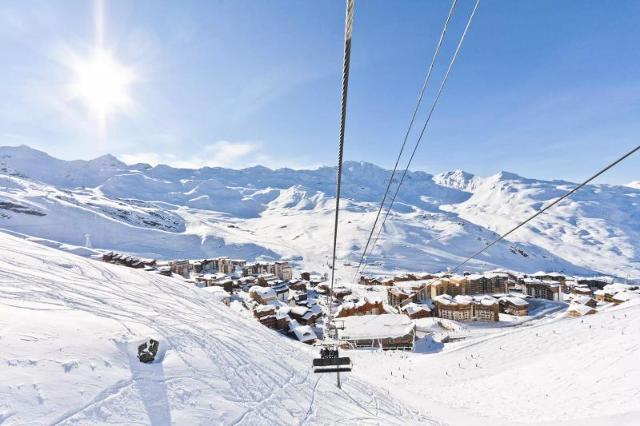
581, 371
69, 328
598, 227
375, 326
165, 212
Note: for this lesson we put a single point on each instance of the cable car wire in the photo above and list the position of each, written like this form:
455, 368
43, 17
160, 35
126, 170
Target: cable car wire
406, 135
424, 127
343, 116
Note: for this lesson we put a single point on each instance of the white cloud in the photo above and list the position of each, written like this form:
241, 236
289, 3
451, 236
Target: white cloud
219, 154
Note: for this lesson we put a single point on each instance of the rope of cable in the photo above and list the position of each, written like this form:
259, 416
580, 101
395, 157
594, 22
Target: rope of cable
426, 123
409, 128
343, 116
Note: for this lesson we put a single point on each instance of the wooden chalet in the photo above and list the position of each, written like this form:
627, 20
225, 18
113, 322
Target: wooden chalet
467, 308
513, 305
578, 310
416, 311
364, 306
262, 295
266, 314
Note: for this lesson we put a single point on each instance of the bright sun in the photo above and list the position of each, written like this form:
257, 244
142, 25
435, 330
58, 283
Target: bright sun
102, 84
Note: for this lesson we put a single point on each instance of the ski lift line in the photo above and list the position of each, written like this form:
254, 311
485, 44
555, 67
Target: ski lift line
343, 117
406, 135
334, 355
426, 123
538, 213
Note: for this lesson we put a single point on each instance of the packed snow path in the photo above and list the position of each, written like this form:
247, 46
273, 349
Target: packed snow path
68, 333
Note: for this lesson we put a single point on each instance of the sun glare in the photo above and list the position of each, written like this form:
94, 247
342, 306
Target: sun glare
102, 85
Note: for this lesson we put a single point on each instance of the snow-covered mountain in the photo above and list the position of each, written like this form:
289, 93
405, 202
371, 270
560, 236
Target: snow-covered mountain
634, 184
167, 212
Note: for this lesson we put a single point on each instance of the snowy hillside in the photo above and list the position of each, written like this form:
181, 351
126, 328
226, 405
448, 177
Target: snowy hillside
635, 184
69, 328
68, 332
598, 227
563, 371
165, 212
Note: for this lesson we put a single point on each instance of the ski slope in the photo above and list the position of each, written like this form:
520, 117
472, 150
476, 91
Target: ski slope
581, 371
68, 333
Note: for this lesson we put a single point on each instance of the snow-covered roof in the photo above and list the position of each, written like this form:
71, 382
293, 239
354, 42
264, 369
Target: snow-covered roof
283, 312
617, 287
264, 308
547, 274
299, 310
263, 292
412, 283
376, 327
581, 309
541, 282
518, 301
474, 277
496, 274
463, 300
363, 301
446, 299
625, 296
582, 300
488, 300
304, 333
413, 308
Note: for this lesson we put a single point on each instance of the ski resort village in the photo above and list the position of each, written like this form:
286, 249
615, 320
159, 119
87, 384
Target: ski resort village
390, 312
347, 212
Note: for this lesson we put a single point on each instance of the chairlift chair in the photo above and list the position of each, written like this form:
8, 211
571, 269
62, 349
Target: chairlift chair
331, 362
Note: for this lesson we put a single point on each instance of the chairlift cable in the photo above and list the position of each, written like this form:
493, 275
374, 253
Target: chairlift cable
538, 213
343, 116
406, 135
426, 123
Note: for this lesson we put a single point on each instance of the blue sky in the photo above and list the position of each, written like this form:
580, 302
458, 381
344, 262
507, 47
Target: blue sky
546, 89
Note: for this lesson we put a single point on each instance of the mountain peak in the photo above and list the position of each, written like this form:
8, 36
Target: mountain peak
458, 179
505, 175
107, 160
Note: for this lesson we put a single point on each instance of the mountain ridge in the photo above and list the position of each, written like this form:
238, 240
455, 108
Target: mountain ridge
437, 221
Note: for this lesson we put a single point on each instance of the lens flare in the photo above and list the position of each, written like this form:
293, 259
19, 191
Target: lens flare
102, 84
